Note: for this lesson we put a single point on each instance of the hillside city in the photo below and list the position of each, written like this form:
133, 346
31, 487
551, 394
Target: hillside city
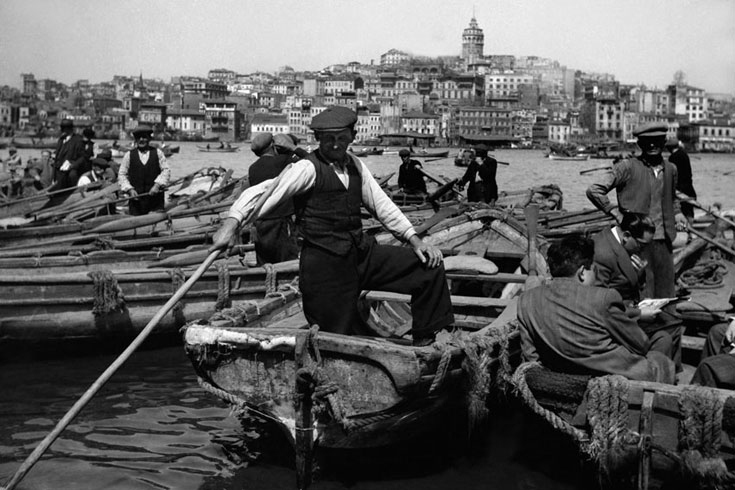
499, 100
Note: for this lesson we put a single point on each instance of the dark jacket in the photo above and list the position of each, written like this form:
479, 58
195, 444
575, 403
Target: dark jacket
614, 267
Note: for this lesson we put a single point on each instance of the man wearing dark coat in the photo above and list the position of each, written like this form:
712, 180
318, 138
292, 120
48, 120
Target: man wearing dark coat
571, 326
684, 182
70, 159
275, 234
410, 178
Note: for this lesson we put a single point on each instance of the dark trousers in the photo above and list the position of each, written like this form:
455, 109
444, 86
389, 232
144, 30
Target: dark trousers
659, 271
275, 240
146, 204
717, 366
331, 285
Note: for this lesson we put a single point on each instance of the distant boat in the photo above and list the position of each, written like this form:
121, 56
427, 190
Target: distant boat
430, 154
217, 149
553, 156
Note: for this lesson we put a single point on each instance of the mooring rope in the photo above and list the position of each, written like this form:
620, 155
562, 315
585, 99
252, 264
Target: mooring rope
108, 296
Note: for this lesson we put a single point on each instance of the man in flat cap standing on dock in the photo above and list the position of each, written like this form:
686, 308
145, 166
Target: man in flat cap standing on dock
647, 185
338, 261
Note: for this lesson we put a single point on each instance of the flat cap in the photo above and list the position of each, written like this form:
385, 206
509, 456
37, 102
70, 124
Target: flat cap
66, 123
260, 142
106, 154
142, 129
283, 140
334, 118
651, 130
100, 162
672, 143
404, 153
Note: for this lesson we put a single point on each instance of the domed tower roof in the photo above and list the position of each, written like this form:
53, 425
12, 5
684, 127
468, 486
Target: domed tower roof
473, 42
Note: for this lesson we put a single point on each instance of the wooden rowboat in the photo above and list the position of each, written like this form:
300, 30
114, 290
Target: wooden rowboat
41, 308
341, 391
638, 434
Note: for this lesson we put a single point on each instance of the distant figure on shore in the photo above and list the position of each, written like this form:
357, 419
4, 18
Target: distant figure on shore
144, 174
410, 177
70, 157
680, 158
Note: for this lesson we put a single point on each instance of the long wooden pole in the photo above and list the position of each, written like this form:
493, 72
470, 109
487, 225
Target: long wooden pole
710, 240
685, 198
105, 376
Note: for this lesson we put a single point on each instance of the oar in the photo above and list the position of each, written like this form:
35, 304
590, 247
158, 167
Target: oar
531, 214
104, 377
683, 197
596, 169
709, 239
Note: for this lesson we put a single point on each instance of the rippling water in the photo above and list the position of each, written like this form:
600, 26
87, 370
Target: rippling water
152, 427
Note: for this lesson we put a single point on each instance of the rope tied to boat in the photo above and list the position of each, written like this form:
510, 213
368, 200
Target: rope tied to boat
223, 286
271, 285
177, 280
479, 354
104, 243
700, 435
706, 274
79, 255
607, 412
108, 296
520, 384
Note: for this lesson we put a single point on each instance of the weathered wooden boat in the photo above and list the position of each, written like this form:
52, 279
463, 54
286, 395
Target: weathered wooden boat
41, 307
217, 149
638, 434
575, 158
430, 154
548, 197
342, 391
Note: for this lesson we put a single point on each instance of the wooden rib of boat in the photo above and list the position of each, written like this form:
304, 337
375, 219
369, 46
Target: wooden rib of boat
41, 307
638, 434
343, 391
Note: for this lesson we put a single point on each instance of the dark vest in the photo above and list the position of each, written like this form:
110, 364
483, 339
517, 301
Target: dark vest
142, 177
328, 216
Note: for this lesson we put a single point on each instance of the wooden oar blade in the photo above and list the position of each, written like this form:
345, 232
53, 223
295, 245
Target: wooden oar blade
129, 223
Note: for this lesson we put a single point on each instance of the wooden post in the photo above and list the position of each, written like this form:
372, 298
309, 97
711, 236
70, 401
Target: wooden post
304, 434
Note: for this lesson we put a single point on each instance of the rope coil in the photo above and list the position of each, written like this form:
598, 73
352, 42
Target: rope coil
108, 296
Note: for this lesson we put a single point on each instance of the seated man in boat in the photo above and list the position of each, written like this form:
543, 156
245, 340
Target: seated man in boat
717, 366
618, 265
338, 261
410, 178
97, 174
571, 326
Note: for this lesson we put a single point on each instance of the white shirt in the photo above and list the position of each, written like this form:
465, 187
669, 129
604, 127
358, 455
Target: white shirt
162, 179
300, 177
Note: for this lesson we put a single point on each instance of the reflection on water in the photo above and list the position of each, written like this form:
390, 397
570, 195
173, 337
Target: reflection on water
152, 427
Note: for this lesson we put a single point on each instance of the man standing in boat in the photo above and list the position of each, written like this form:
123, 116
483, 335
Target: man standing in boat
275, 234
70, 157
338, 261
647, 185
410, 178
144, 174
684, 182
486, 189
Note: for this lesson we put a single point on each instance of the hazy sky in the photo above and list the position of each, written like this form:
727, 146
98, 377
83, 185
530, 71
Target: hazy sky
639, 41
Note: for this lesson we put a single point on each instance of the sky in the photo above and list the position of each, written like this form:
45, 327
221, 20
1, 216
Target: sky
638, 41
